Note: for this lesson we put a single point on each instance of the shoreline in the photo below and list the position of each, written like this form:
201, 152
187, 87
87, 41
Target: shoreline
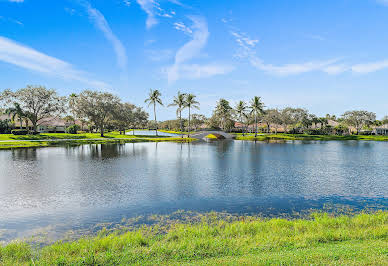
321, 238
8, 141
266, 137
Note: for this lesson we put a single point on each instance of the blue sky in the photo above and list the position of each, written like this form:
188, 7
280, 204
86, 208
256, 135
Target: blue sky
328, 56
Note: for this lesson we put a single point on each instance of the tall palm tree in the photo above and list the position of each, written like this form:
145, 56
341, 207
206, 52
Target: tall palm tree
154, 98
223, 112
191, 102
257, 108
241, 109
16, 111
180, 102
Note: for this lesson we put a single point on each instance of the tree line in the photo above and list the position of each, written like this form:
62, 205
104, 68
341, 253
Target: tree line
101, 110
292, 120
104, 111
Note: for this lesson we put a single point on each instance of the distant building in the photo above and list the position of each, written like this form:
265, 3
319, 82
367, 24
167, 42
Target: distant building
46, 125
382, 130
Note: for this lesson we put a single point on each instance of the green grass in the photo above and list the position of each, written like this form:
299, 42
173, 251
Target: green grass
9, 141
361, 239
264, 137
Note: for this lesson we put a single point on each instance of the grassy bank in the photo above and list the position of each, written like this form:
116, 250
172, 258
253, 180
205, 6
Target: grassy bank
9, 141
360, 239
264, 137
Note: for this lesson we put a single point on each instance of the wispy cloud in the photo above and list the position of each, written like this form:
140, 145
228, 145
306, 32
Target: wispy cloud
332, 66
182, 27
154, 10
101, 23
370, 67
11, 20
15, 1
246, 50
199, 33
197, 71
25, 57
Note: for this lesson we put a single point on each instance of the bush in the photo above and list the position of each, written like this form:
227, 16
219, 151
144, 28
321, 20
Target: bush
73, 129
5, 126
19, 132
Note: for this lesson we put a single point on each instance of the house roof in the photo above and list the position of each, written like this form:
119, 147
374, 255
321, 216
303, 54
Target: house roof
49, 121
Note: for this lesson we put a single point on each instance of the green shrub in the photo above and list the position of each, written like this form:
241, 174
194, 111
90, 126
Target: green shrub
19, 132
73, 129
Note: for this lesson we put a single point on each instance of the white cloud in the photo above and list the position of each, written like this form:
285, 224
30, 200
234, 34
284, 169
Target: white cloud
25, 57
331, 66
192, 48
294, 69
199, 36
196, 71
16, 1
182, 27
370, 67
336, 69
153, 10
149, 7
100, 22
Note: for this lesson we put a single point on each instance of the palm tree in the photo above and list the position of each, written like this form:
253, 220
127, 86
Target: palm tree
223, 112
241, 109
257, 108
180, 102
154, 98
16, 111
191, 103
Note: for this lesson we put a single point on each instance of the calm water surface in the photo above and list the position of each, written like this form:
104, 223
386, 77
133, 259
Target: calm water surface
151, 133
77, 187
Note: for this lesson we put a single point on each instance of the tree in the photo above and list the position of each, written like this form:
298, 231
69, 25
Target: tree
16, 111
358, 119
140, 119
272, 117
241, 109
69, 119
295, 117
223, 113
38, 102
154, 98
384, 120
197, 120
180, 102
191, 103
257, 108
97, 107
5, 126
124, 116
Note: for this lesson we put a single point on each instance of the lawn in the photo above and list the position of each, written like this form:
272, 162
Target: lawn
8, 141
360, 239
263, 137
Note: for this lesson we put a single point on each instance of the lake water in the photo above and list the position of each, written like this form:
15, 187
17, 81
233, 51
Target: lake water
150, 133
61, 188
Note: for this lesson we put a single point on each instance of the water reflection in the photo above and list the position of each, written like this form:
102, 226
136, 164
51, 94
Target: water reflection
83, 185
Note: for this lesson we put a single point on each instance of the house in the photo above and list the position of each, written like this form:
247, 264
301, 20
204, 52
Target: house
382, 130
46, 125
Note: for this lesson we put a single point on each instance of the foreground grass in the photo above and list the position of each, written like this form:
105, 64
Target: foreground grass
9, 141
263, 137
361, 239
